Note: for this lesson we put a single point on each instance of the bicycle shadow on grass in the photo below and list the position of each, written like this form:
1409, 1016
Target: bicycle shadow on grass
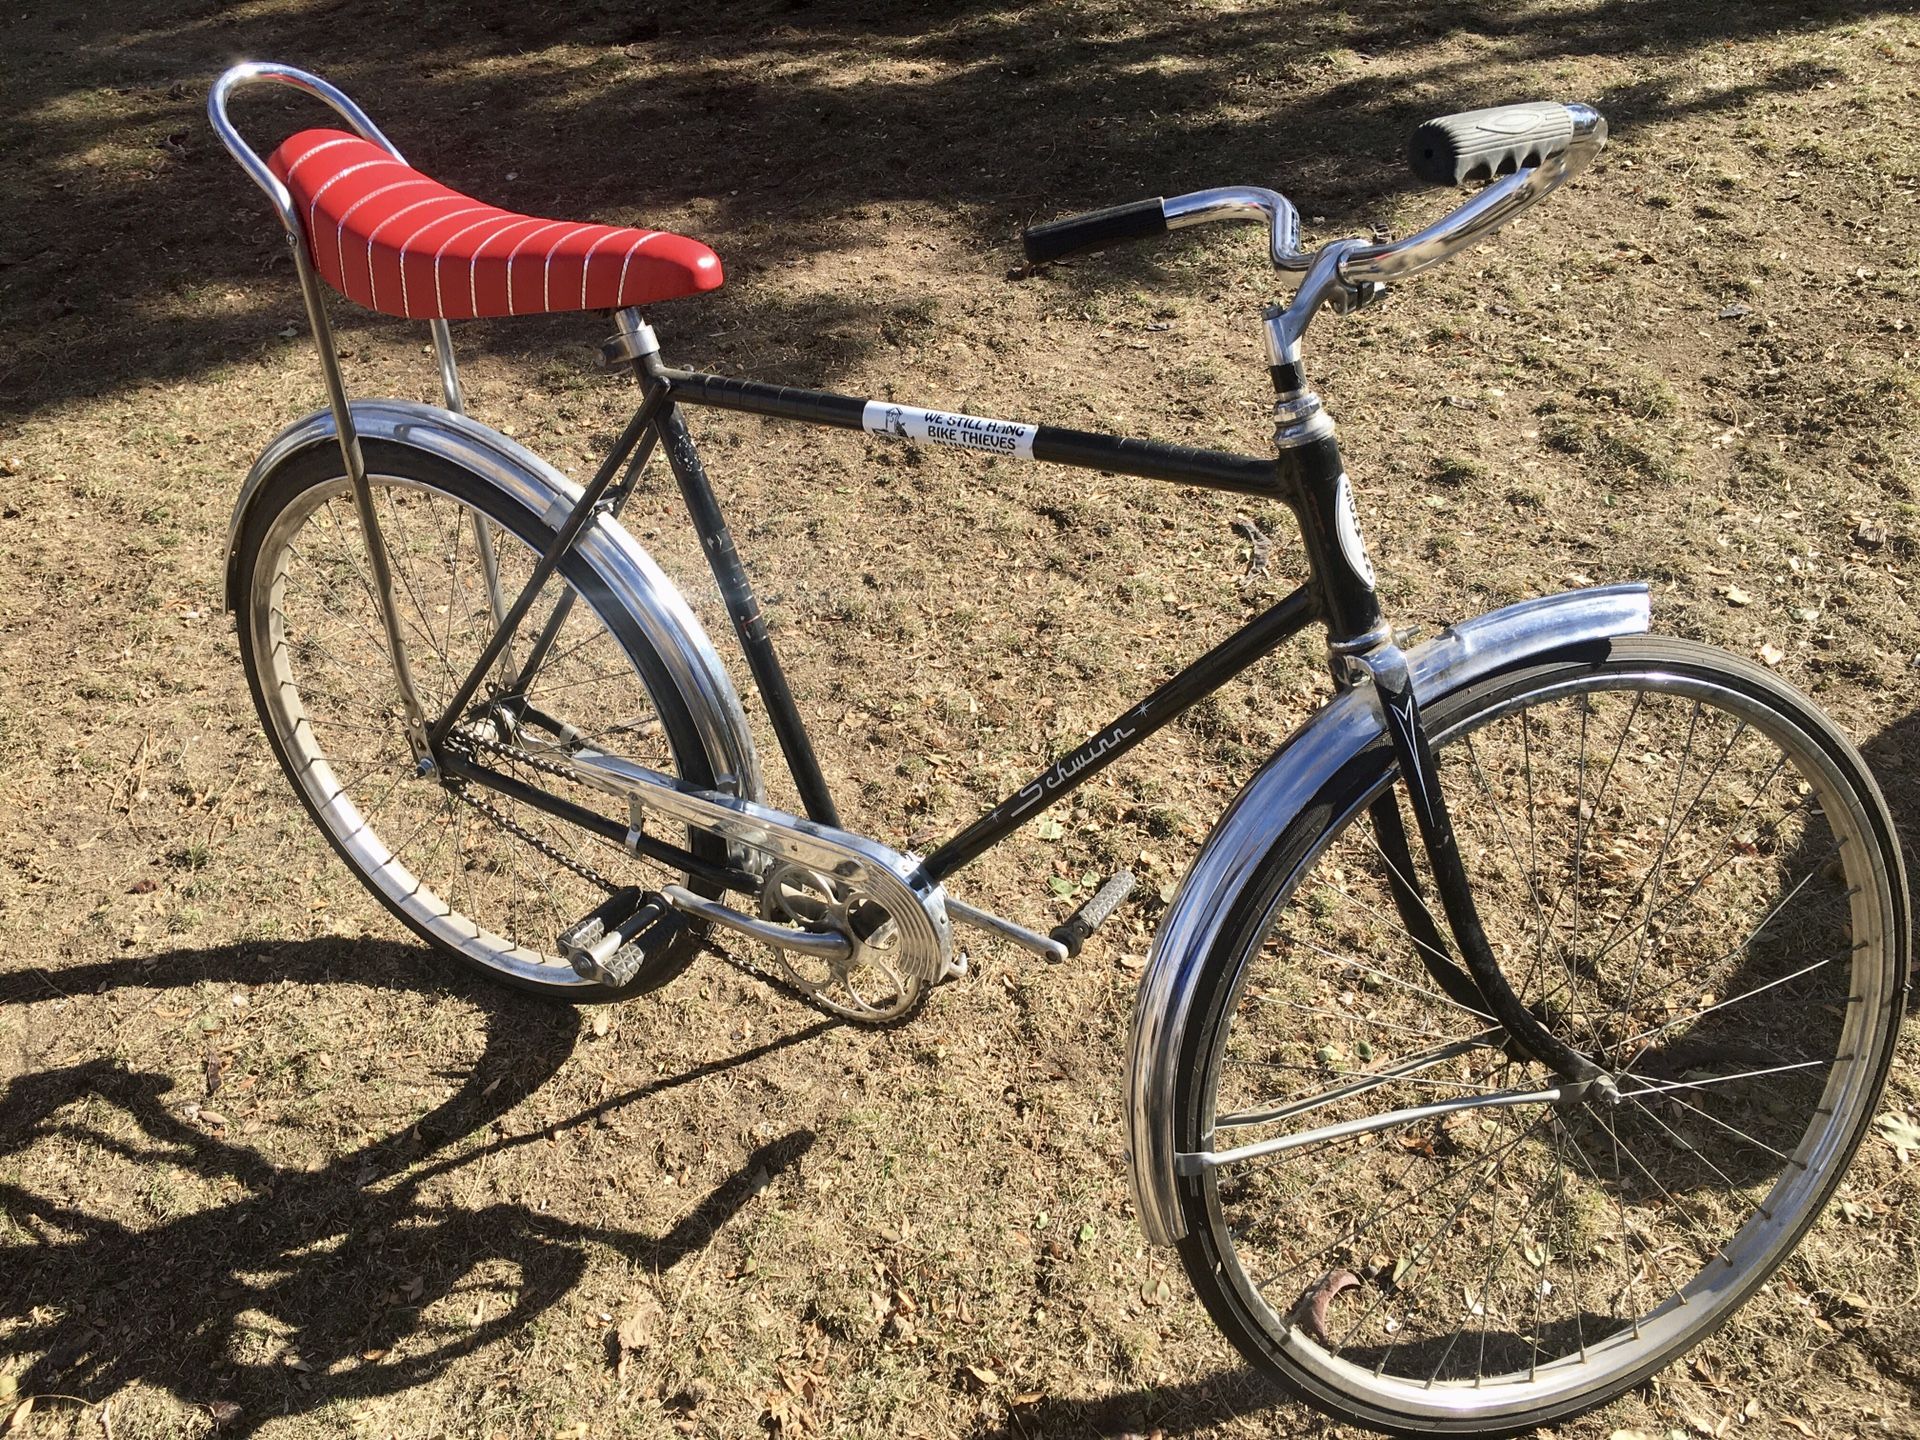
344, 1261
1195, 1407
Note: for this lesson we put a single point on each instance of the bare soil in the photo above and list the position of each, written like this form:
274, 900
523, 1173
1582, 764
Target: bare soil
267, 1165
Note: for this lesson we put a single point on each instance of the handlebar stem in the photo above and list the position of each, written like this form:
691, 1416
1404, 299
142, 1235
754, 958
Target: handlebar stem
1325, 284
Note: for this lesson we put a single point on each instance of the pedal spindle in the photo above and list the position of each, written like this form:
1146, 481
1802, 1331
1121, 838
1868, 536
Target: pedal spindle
1074, 931
612, 942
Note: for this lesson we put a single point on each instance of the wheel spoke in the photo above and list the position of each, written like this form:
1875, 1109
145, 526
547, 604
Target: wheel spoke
496, 890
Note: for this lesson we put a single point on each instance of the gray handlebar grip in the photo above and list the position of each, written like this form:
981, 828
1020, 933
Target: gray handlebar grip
1480, 144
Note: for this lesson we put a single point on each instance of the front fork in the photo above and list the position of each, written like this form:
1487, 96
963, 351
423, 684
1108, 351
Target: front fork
1393, 693
1314, 479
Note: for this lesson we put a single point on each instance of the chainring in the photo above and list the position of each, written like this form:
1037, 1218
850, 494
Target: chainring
868, 985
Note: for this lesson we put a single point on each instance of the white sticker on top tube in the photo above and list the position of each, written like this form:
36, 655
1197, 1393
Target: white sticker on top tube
941, 427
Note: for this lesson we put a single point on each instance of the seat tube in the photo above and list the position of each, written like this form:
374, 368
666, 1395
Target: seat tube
636, 342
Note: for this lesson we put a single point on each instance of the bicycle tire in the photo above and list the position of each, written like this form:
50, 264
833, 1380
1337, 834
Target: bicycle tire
1321, 1263
308, 620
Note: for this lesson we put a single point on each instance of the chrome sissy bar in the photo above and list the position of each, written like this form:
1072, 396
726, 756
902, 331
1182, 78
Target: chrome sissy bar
263, 72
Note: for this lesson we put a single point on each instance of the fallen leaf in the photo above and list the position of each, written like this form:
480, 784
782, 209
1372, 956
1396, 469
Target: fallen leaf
1334, 1284
1899, 1132
17, 1421
1736, 596
1772, 654
641, 1328
979, 1376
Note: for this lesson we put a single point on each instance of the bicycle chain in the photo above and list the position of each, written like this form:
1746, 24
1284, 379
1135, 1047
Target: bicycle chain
464, 792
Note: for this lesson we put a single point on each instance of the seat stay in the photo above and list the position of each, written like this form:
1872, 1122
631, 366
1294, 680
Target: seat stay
583, 510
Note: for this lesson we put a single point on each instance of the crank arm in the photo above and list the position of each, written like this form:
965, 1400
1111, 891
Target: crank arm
827, 947
889, 879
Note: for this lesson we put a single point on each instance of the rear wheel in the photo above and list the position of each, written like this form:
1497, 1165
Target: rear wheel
1688, 874
482, 876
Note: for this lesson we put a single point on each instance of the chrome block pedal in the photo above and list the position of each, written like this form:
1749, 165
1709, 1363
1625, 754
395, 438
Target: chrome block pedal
614, 940
1098, 909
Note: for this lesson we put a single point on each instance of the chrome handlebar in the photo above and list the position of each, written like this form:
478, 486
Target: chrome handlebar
1483, 214
1358, 265
1244, 203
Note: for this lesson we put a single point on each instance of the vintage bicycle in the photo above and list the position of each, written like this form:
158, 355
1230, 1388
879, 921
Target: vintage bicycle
1459, 1135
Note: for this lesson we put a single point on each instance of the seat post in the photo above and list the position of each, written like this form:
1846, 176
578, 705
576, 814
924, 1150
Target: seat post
449, 370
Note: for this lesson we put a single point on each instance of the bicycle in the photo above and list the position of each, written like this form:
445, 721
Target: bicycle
1468, 1170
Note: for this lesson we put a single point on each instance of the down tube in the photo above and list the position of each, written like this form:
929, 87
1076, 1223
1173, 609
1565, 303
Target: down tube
1248, 645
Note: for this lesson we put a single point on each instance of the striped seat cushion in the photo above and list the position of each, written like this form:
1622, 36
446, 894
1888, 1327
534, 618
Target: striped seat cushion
386, 236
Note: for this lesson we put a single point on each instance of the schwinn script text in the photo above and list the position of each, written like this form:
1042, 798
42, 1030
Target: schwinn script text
1037, 789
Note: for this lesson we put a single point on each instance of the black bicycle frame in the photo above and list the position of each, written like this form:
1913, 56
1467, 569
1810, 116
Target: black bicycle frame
1306, 474
1308, 477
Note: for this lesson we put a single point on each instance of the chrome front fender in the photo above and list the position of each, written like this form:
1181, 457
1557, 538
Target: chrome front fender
521, 476
1348, 724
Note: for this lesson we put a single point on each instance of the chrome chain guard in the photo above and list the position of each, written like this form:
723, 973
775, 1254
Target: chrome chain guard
878, 876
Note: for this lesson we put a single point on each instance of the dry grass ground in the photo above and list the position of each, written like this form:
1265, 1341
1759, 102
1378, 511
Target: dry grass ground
268, 1166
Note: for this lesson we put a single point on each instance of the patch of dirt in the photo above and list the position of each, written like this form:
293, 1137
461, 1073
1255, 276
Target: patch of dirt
267, 1164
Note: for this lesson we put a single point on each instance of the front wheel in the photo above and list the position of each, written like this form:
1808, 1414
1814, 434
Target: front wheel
1688, 874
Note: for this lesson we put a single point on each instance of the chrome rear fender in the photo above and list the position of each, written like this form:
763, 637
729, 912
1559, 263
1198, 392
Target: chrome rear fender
1519, 634
524, 478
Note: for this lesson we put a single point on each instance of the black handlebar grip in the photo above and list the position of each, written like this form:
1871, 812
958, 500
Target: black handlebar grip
1480, 144
1142, 220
